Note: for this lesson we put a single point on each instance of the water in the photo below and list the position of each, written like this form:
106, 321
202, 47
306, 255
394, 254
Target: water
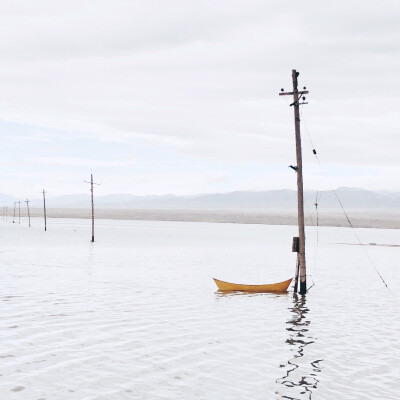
136, 315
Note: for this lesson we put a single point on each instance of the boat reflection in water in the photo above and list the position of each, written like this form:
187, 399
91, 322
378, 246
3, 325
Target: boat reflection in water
300, 379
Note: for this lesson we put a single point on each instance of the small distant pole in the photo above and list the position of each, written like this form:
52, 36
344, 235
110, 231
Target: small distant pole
19, 211
44, 210
29, 215
15, 203
91, 193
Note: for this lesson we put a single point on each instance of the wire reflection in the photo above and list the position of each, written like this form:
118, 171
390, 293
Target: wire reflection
300, 379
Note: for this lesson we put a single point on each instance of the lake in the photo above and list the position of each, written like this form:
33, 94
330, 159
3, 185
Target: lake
136, 314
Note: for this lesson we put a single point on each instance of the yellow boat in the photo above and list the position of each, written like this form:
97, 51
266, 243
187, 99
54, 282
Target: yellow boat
270, 288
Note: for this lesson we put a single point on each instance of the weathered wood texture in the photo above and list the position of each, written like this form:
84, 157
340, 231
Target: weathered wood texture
301, 255
300, 199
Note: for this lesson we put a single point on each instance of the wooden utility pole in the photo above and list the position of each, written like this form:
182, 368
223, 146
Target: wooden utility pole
29, 214
91, 193
15, 203
44, 210
301, 251
19, 211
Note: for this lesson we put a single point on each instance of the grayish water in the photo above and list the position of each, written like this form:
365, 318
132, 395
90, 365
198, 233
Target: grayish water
136, 314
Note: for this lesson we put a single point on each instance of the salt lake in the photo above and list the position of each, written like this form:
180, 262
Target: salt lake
136, 315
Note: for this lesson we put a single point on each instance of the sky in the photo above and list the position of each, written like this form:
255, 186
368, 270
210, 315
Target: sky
181, 97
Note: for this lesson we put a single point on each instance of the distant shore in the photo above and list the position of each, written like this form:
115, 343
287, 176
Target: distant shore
362, 218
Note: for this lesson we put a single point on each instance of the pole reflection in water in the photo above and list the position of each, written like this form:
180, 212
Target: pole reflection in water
300, 379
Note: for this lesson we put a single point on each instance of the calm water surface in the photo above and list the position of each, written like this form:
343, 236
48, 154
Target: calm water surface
136, 315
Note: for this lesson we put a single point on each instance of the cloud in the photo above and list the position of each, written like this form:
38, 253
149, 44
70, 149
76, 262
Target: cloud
79, 162
200, 80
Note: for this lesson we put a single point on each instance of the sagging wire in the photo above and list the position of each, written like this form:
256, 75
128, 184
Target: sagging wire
358, 239
341, 205
317, 196
317, 238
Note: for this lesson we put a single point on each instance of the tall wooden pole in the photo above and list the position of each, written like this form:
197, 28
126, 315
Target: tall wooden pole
44, 210
301, 255
19, 211
300, 199
91, 193
29, 214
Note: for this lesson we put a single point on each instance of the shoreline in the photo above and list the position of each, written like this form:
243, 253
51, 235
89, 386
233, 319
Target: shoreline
360, 218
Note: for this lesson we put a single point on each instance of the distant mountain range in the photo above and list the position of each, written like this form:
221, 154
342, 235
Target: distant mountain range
350, 197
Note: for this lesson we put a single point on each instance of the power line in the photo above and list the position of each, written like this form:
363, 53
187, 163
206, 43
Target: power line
342, 207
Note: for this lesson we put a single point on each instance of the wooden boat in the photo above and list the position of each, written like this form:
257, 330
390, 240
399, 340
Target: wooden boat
269, 288
298, 242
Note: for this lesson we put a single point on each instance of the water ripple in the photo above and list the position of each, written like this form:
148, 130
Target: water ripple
299, 377
136, 315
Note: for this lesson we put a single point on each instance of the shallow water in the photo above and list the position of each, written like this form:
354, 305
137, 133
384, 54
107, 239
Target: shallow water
136, 315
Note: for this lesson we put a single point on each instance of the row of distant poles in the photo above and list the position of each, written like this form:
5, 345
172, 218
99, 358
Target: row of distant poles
5, 209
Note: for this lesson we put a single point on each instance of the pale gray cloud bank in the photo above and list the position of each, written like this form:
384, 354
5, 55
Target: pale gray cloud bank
199, 80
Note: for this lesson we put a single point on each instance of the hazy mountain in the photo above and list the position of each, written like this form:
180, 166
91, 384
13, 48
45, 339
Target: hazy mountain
349, 197
7, 200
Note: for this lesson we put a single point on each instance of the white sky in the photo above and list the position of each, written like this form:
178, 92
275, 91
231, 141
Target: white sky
182, 96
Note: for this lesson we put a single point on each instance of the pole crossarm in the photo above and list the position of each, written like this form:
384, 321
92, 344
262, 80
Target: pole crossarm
291, 93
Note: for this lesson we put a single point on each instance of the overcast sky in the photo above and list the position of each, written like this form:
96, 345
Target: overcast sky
182, 96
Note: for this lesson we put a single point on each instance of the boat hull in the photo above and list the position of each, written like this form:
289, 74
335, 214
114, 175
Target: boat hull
270, 288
